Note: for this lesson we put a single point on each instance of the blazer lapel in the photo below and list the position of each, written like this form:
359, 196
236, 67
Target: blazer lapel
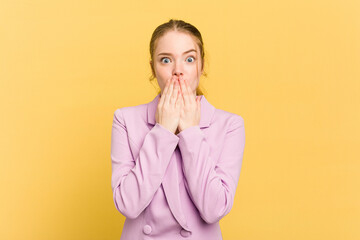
171, 179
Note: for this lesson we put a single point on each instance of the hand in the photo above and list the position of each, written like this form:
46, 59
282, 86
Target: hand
190, 106
169, 105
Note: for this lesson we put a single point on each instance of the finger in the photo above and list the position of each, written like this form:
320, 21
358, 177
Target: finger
179, 99
198, 99
184, 91
162, 95
182, 100
191, 96
175, 92
169, 93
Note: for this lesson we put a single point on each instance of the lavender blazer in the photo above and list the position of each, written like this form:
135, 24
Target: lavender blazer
175, 186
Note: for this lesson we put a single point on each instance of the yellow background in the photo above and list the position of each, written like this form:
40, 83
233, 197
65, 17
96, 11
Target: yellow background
291, 69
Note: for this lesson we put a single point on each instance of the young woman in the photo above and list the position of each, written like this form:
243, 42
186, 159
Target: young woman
176, 160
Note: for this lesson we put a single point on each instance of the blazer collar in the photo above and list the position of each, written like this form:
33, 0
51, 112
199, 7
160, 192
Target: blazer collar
207, 111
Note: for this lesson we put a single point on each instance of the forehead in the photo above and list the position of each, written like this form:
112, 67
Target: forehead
175, 42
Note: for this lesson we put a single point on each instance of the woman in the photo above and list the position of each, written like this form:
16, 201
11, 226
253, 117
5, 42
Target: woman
176, 160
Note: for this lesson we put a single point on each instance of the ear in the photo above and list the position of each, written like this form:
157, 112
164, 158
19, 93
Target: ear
151, 66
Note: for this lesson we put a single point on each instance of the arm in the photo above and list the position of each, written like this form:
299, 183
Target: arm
212, 182
135, 181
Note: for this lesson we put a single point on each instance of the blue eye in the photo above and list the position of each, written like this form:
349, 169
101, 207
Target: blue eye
163, 58
192, 58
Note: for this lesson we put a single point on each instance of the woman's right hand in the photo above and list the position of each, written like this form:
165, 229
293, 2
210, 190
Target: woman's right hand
169, 106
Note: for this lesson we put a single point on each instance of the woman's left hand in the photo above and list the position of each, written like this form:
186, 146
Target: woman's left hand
190, 107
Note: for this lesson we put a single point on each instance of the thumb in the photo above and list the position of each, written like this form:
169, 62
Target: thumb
198, 100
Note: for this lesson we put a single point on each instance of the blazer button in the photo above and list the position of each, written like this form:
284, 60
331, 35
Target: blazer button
147, 229
185, 233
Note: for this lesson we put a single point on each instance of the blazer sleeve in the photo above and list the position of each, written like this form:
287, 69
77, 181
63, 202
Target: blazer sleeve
134, 181
212, 182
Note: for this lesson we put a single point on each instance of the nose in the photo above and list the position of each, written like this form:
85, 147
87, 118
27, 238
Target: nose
178, 74
177, 71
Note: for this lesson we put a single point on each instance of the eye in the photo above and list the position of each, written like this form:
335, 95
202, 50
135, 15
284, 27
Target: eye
164, 58
192, 58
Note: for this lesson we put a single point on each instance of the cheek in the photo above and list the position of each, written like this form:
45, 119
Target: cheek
164, 73
194, 79
161, 77
193, 83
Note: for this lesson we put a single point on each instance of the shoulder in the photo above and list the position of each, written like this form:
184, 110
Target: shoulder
130, 113
228, 119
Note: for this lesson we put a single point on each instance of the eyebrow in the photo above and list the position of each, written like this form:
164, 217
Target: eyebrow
191, 50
